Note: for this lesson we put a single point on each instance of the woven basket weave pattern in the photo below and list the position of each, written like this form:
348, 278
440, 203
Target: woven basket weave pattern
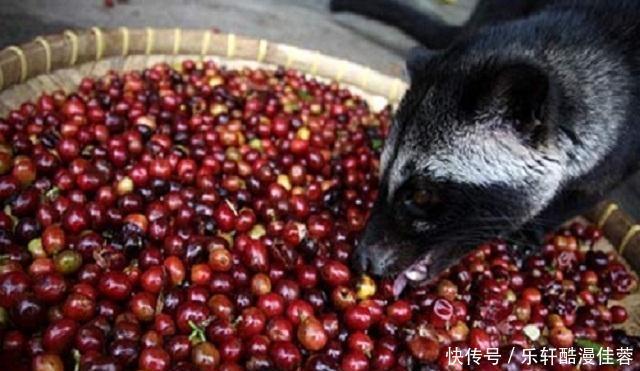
87, 50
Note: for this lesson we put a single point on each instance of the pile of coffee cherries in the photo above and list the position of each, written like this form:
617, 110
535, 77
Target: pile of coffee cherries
200, 218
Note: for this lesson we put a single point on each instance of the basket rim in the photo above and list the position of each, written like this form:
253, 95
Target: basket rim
72, 48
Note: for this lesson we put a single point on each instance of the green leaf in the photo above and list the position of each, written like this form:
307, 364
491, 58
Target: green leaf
586, 343
305, 95
197, 335
52, 194
597, 347
376, 144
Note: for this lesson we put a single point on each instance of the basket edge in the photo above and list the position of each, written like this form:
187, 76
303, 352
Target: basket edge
71, 48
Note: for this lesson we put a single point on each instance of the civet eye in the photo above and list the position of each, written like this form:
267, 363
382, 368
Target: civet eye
423, 198
423, 202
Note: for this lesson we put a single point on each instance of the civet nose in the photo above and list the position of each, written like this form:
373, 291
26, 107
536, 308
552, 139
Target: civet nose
367, 259
360, 260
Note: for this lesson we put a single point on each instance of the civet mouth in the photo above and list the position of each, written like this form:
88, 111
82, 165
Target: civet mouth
416, 273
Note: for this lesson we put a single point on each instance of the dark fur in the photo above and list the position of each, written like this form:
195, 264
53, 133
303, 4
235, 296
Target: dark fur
559, 78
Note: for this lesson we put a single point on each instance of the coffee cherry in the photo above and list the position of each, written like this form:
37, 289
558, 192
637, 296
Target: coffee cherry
561, 337
53, 239
24, 170
114, 285
154, 359
58, 336
67, 262
618, 314
335, 273
285, 355
423, 349
13, 285
354, 361
357, 318
205, 356
50, 287
366, 288
399, 312
252, 322
311, 334
47, 362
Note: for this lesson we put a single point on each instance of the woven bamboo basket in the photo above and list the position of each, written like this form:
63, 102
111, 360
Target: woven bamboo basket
59, 62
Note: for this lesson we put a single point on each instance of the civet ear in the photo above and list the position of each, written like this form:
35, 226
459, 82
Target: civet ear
518, 92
